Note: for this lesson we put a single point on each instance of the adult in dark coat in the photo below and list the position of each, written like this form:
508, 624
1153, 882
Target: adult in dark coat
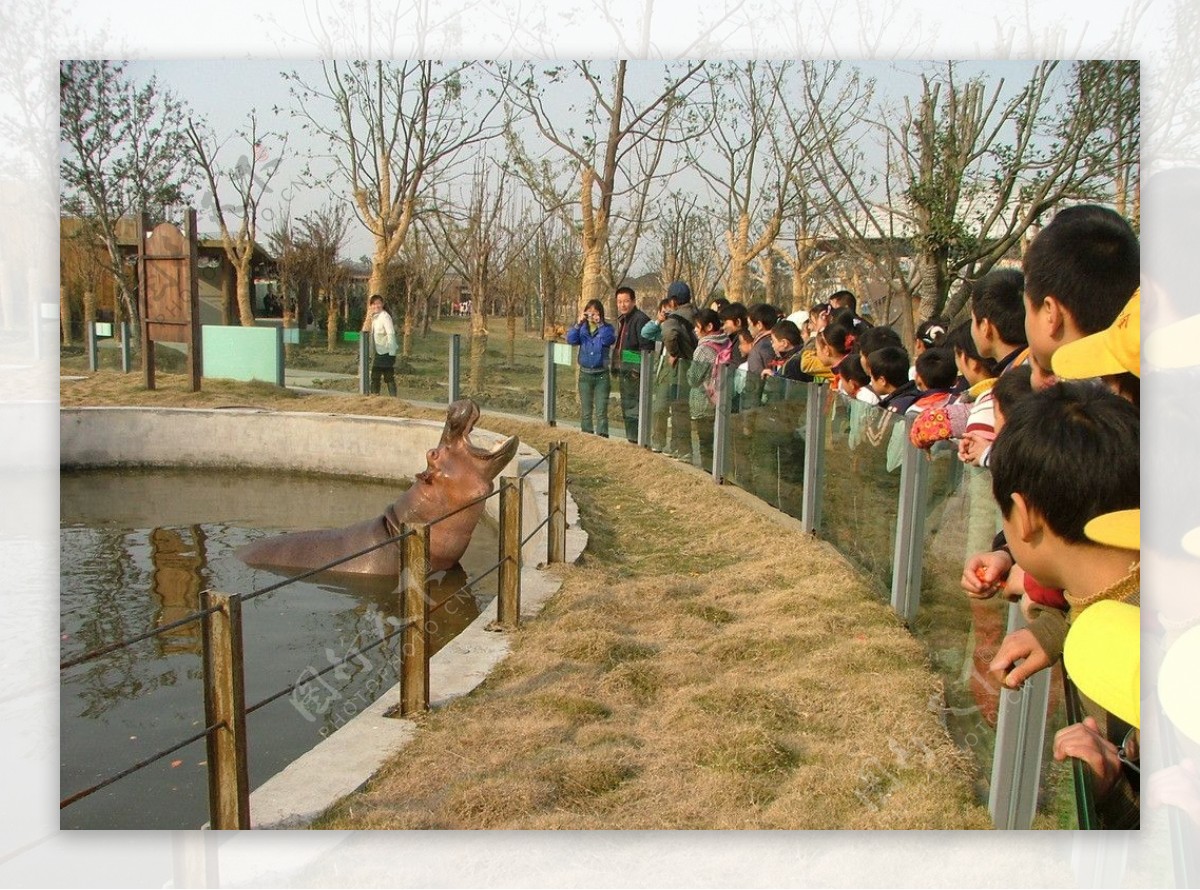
679, 344
630, 321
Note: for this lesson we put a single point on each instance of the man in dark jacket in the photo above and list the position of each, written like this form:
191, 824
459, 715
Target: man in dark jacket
625, 367
679, 345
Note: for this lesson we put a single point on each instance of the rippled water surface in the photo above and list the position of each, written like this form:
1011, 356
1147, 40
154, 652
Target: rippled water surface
137, 547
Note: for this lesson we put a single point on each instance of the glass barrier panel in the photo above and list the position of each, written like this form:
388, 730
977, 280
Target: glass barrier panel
312, 361
961, 633
766, 440
861, 483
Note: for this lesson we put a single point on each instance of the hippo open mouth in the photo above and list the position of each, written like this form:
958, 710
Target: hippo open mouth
460, 421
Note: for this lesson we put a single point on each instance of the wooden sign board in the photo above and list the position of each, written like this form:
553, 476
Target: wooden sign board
169, 293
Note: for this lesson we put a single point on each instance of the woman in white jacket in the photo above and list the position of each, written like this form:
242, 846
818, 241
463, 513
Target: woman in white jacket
383, 338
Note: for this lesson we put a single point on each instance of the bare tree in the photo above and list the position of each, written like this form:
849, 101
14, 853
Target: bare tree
423, 269
250, 180
479, 244
686, 235
617, 152
124, 151
323, 233
397, 127
971, 166
754, 156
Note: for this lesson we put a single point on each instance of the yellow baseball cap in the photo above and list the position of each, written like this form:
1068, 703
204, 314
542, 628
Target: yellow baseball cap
1114, 350
1121, 528
1102, 655
1177, 683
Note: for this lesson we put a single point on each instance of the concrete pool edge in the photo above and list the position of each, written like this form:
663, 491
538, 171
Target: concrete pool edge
349, 445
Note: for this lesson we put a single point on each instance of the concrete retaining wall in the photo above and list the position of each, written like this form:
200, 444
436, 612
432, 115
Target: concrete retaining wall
336, 445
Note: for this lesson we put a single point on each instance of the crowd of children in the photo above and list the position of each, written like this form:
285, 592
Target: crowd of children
1036, 392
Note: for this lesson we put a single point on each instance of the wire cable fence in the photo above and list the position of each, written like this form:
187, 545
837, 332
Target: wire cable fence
250, 709
141, 764
222, 633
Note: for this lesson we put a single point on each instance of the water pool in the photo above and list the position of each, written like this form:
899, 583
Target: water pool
137, 547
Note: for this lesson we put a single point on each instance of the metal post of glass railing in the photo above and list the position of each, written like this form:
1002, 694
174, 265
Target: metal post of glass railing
454, 373
645, 389
722, 423
549, 386
910, 530
364, 363
1020, 739
814, 459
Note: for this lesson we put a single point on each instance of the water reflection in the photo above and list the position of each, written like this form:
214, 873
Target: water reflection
122, 576
176, 584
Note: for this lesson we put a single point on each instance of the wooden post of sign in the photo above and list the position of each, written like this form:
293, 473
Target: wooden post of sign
225, 708
192, 311
556, 540
414, 660
508, 605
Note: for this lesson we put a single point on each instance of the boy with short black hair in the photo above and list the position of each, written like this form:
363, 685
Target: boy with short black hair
1080, 271
1066, 456
888, 368
998, 317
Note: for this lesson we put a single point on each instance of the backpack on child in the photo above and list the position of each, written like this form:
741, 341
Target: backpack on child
724, 353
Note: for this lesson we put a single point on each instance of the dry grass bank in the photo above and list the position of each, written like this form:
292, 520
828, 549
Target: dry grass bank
703, 666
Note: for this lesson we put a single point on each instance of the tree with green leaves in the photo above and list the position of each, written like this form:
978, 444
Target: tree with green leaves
124, 151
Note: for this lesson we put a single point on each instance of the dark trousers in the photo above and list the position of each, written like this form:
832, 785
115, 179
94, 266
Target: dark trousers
384, 367
705, 431
593, 402
628, 382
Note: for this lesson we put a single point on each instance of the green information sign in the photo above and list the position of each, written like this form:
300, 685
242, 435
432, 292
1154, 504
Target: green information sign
563, 354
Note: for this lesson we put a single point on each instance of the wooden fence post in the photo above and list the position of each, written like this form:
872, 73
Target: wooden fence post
556, 540
414, 662
508, 606
225, 704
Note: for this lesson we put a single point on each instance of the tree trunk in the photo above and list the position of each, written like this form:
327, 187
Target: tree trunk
228, 292
409, 320
768, 277
512, 337
478, 338
592, 286
89, 310
245, 285
331, 322
64, 314
934, 285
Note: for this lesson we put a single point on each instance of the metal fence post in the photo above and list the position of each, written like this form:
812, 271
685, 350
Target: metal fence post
508, 605
910, 530
93, 348
126, 363
455, 375
364, 363
556, 539
280, 369
645, 405
722, 424
414, 661
814, 460
225, 704
1020, 737
549, 387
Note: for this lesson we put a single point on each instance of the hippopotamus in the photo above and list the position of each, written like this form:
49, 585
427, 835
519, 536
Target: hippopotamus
456, 473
